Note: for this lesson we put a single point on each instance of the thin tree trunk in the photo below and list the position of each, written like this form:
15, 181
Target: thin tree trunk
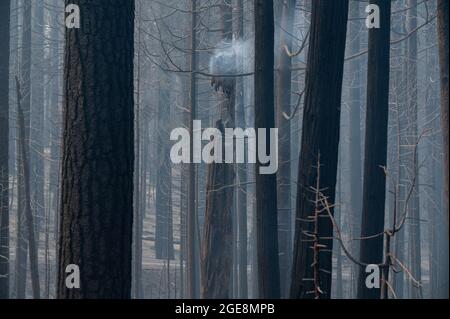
398, 279
355, 135
192, 280
284, 84
432, 205
241, 169
138, 213
55, 117
37, 118
443, 29
412, 134
25, 79
4, 147
443, 26
339, 268
28, 214
163, 233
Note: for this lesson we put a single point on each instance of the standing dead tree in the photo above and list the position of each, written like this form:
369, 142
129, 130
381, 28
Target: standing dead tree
374, 189
323, 209
284, 87
266, 185
217, 247
321, 124
192, 266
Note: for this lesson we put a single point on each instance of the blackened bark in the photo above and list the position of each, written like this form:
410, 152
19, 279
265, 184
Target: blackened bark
266, 185
4, 147
192, 269
374, 189
320, 138
443, 25
217, 249
241, 173
97, 162
284, 85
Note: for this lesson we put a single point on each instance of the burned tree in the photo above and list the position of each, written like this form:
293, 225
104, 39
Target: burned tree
217, 253
97, 161
192, 268
217, 248
320, 138
241, 171
284, 86
374, 189
266, 185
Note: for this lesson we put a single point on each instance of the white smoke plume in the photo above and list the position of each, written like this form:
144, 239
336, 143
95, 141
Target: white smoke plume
232, 58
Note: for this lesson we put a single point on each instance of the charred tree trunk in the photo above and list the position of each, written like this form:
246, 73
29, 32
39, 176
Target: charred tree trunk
241, 173
192, 271
217, 249
4, 147
266, 185
97, 162
320, 139
374, 189
216, 258
284, 85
